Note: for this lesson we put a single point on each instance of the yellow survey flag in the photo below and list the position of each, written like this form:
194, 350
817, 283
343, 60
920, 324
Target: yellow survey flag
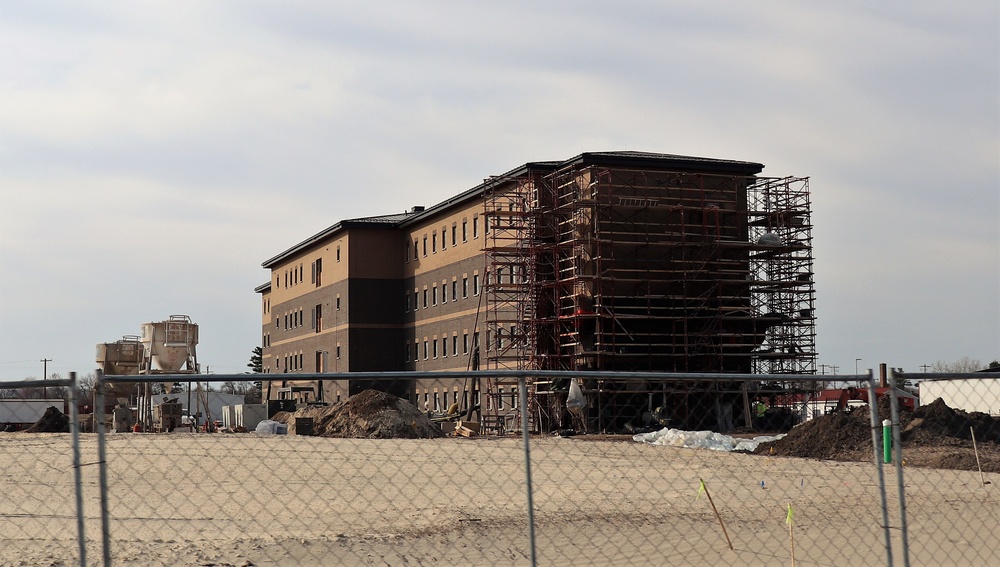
788, 518
701, 489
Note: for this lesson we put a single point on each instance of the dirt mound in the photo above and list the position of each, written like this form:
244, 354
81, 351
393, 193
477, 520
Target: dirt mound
52, 421
936, 420
840, 436
369, 415
933, 435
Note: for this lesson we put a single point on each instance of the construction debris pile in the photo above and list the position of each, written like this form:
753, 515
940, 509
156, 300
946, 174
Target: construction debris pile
933, 435
368, 415
52, 421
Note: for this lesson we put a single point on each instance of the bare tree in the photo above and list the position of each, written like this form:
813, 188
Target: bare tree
248, 390
964, 364
85, 387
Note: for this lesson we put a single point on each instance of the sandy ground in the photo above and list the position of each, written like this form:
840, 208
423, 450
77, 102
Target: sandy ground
241, 499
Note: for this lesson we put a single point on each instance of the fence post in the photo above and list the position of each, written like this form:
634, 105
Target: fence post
523, 393
74, 425
99, 427
873, 410
897, 441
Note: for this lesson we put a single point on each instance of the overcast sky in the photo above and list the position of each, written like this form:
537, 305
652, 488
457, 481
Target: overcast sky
153, 154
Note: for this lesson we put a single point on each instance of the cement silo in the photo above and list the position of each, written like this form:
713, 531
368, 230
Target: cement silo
170, 346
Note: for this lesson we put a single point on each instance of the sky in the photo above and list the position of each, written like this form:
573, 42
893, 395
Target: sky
153, 154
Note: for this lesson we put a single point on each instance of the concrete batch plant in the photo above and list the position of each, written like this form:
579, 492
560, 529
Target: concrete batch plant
616, 261
164, 347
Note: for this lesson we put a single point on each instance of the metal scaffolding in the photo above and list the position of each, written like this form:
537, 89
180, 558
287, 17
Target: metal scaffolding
630, 269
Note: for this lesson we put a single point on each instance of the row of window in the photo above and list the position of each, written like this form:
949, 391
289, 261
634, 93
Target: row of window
296, 274
414, 251
294, 362
291, 320
434, 293
296, 318
431, 347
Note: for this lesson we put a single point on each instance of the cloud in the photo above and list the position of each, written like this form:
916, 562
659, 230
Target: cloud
153, 155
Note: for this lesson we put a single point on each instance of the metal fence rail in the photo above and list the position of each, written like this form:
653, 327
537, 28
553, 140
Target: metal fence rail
254, 498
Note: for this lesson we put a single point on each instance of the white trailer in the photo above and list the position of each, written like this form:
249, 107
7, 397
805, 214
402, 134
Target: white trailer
20, 412
969, 394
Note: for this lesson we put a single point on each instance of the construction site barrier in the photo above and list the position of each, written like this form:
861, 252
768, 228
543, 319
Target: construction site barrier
368, 482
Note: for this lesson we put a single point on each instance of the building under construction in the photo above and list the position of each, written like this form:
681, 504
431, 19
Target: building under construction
608, 261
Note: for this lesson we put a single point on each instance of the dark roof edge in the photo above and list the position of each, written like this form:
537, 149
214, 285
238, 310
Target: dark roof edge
666, 161
262, 288
621, 158
328, 231
478, 189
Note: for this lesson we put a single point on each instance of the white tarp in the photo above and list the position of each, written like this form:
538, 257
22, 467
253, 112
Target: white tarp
270, 427
701, 440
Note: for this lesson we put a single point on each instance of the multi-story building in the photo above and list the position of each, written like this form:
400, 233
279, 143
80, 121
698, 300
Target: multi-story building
606, 261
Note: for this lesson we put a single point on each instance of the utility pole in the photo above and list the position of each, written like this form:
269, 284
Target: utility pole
925, 367
45, 376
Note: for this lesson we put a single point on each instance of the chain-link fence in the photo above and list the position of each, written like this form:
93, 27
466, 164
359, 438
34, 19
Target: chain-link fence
674, 469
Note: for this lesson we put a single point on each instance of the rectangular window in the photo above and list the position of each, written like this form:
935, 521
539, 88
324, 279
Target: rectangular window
465, 343
434, 243
454, 345
434, 348
454, 290
318, 316
338, 352
425, 247
465, 287
425, 298
443, 242
406, 307
454, 232
338, 253
406, 257
406, 354
416, 350
465, 230
444, 347
416, 250
444, 293
425, 349
475, 227
415, 302
434, 295
475, 284
338, 303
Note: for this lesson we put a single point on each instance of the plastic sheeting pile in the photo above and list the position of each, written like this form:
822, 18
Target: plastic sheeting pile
701, 440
